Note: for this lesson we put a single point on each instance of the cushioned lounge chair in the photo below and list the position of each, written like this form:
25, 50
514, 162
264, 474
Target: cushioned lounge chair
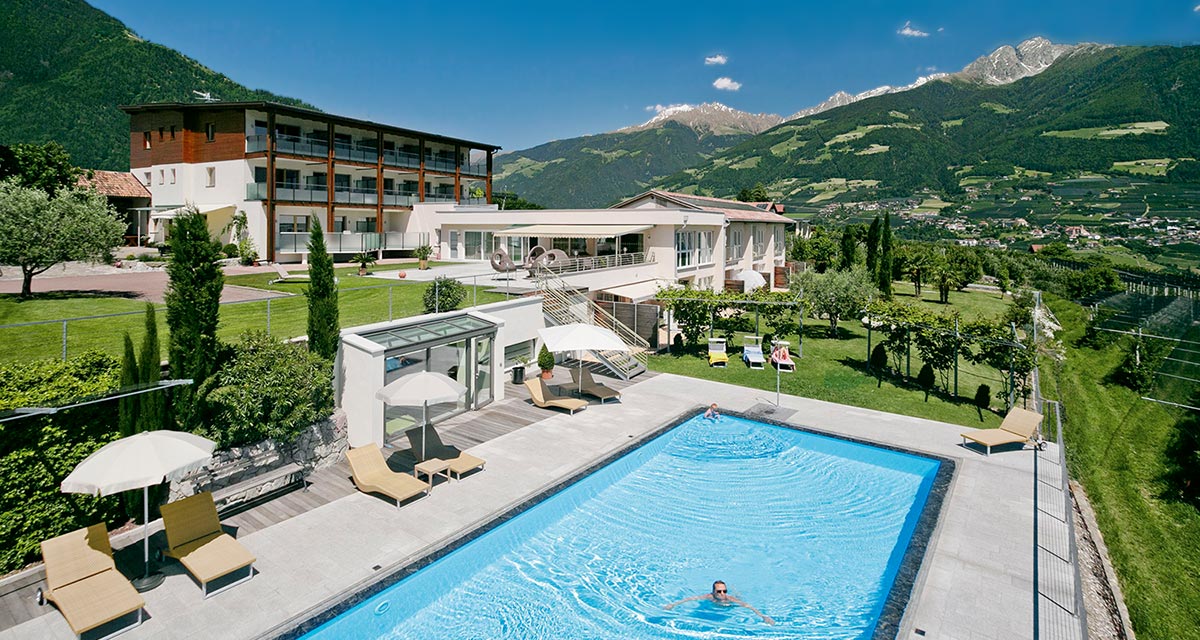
83, 582
752, 353
544, 398
196, 539
286, 276
717, 356
782, 358
589, 386
372, 475
1020, 425
460, 462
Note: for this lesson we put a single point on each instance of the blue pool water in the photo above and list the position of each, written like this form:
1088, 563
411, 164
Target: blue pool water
809, 529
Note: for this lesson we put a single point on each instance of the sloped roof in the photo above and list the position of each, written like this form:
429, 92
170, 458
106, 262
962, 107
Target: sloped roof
734, 210
115, 184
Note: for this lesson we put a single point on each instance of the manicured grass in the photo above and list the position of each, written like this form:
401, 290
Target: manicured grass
1116, 445
835, 369
358, 303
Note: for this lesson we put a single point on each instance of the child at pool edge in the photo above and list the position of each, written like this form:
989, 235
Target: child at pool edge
712, 413
720, 595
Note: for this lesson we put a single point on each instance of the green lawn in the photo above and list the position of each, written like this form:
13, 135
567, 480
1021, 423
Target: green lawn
357, 303
835, 369
1116, 444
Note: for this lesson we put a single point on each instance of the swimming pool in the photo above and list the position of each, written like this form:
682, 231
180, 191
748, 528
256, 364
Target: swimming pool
811, 530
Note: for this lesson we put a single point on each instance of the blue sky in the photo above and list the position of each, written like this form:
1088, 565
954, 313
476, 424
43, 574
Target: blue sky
519, 74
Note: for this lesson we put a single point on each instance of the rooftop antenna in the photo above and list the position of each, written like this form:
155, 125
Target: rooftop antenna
204, 96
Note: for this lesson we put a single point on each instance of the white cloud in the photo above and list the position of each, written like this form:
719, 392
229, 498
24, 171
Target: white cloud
1197, 9
931, 68
908, 31
659, 108
717, 59
726, 84
941, 29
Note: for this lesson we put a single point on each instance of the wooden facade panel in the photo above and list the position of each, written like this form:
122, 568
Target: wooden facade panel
229, 135
165, 147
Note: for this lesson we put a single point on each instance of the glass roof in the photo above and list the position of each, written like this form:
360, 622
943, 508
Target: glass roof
442, 330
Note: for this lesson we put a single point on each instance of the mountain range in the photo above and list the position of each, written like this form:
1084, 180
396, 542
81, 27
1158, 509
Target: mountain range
65, 66
596, 170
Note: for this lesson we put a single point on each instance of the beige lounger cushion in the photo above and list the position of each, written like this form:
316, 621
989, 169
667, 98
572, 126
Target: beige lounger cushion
544, 398
82, 580
460, 462
196, 539
372, 475
1020, 425
593, 388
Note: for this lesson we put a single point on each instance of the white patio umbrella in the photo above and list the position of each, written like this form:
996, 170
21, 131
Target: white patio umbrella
751, 279
581, 337
138, 462
418, 390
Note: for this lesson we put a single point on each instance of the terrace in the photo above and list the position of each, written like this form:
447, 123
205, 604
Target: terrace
314, 548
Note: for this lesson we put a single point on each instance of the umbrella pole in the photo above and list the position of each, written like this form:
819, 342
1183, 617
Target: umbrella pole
148, 580
581, 374
424, 426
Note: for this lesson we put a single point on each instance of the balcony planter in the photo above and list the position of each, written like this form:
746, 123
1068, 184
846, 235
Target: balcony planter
545, 362
363, 260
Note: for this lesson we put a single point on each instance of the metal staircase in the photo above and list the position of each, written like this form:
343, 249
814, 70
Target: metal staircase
563, 304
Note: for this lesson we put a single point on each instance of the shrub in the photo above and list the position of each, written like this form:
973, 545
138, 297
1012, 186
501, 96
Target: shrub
1136, 371
443, 294
878, 363
322, 294
270, 389
926, 379
545, 359
983, 399
1183, 456
230, 250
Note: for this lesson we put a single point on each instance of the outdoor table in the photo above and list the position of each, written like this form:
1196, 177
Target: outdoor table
431, 468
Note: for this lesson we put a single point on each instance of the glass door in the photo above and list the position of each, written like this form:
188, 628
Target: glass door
483, 371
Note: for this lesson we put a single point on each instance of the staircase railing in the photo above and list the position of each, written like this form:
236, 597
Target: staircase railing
562, 305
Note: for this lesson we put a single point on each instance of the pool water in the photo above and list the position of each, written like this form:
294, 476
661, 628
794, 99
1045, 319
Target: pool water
809, 529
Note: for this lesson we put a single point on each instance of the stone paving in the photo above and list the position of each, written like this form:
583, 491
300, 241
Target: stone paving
976, 582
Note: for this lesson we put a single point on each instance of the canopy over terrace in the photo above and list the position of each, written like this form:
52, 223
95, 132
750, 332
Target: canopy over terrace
218, 216
597, 231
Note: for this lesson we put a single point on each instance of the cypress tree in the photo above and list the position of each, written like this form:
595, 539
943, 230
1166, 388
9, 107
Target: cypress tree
873, 245
153, 409
849, 248
883, 273
127, 407
193, 306
322, 296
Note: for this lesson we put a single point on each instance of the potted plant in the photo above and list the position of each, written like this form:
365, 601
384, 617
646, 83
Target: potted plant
422, 254
363, 260
545, 362
518, 370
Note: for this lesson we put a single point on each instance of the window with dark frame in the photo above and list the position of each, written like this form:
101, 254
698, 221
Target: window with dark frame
210, 131
145, 139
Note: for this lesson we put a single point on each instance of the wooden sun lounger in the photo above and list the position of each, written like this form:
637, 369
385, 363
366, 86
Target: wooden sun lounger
460, 462
285, 275
1020, 425
83, 582
196, 539
544, 398
593, 388
372, 475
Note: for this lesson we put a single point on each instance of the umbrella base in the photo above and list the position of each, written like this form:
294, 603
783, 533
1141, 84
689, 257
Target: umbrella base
148, 581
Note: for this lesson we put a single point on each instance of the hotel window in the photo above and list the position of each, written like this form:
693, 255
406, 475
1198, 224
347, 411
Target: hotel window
162, 131
212, 176
760, 241
145, 139
685, 243
293, 224
780, 248
149, 179
705, 247
733, 249
573, 247
365, 225
162, 176
339, 224
210, 132
172, 176
172, 132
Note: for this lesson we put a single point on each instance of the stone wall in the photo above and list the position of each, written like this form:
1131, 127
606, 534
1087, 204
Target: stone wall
321, 445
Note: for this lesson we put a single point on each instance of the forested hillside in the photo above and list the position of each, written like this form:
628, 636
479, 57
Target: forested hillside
65, 66
1088, 110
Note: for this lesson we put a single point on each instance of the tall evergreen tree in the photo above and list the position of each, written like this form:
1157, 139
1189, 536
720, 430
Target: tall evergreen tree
873, 245
127, 407
193, 305
152, 412
883, 272
849, 247
322, 295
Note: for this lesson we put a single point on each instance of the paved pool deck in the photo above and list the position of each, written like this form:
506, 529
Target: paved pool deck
976, 581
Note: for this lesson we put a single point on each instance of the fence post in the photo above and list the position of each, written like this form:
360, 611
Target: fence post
64, 341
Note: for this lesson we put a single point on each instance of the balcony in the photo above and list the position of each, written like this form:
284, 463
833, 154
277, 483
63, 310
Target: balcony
440, 163
349, 242
355, 152
439, 197
292, 192
256, 143
475, 169
394, 158
594, 263
302, 145
256, 191
355, 195
399, 197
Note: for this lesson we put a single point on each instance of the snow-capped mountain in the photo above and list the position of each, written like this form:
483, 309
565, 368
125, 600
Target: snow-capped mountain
710, 118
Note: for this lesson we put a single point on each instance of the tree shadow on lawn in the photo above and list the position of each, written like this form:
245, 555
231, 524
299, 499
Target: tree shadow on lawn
70, 294
901, 383
820, 331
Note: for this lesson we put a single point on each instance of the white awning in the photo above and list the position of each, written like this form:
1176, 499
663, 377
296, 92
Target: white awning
573, 230
204, 209
639, 291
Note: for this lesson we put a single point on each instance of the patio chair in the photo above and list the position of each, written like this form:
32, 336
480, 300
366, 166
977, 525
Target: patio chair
195, 538
83, 582
460, 462
752, 353
286, 276
502, 264
717, 356
583, 380
782, 358
1020, 425
372, 475
544, 398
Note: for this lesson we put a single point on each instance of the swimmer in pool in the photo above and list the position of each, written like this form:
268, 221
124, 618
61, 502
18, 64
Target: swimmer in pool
720, 595
712, 413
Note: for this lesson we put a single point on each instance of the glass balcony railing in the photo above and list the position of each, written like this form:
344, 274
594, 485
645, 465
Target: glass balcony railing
394, 158
352, 242
439, 197
355, 153
256, 143
399, 197
302, 145
475, 169
256, 191
473, 200
355, 195
435, 163
292, 192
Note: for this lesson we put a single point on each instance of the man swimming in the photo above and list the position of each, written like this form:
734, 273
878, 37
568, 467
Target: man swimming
720, 595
